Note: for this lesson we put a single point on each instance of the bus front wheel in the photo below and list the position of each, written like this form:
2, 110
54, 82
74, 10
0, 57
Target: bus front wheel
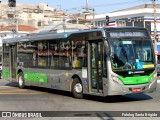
21, 82
77, 89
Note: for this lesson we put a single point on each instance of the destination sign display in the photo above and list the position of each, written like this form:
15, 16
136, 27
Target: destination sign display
118, 34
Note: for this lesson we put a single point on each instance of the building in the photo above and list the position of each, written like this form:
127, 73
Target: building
26, 14
135, 16
40, 15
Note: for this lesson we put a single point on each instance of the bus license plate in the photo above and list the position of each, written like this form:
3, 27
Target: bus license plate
136, 89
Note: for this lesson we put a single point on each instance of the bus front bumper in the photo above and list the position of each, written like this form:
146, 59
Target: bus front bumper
118, 89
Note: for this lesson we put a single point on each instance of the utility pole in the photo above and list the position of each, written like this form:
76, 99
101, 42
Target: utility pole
155, 29
13, 12
75, 15
64, 19
87, 11
86, 5
93, 18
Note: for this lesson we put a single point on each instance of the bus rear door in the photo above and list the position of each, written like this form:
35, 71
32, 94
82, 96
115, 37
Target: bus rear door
12, 62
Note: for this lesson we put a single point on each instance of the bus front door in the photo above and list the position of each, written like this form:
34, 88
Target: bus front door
12, 63
95, 51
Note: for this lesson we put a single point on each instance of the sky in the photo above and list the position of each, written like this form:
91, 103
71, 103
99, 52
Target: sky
100, 6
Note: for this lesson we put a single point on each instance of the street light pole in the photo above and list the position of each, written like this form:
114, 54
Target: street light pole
93, 18
16, 21
155, 29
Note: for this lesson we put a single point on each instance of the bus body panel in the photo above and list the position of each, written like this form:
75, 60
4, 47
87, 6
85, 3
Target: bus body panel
50, 78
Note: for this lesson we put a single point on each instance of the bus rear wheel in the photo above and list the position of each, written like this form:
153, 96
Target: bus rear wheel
21, 82
77, 89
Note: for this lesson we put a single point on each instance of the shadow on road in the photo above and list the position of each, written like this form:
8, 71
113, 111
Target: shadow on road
41, 89
11, 84
108, 99
120, 98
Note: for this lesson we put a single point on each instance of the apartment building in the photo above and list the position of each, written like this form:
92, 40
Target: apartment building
26, 14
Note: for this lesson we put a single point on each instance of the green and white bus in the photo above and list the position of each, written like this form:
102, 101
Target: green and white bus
103, 61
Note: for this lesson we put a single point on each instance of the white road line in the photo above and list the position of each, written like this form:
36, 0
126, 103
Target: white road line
16, 90
158, 81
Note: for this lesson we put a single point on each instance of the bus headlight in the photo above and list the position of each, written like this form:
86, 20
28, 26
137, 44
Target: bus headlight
116, 79
154, 77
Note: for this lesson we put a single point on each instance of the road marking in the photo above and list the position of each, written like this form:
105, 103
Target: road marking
16, 90
158, 81
8, 93
7, 87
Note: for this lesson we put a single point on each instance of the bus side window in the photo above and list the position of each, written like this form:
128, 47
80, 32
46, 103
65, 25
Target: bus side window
60, 54
76, 62
79, 58
54, 57
43, 54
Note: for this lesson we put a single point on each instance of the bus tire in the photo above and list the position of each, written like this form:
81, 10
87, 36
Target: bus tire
21, 82
77, 89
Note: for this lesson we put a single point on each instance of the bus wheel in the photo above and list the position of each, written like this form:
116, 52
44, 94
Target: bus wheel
77, 89
21, 80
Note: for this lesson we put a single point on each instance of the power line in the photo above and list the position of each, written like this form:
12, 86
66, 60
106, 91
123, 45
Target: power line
113, 4
121, 3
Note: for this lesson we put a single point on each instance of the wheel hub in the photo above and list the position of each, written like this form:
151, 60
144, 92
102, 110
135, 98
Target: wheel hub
78, 88
20, 81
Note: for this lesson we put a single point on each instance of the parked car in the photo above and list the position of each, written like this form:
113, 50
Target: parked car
158, 69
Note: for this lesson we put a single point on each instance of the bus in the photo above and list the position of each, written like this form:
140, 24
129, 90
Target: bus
102, 61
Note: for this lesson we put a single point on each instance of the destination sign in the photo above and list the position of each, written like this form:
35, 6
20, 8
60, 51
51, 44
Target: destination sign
117, 34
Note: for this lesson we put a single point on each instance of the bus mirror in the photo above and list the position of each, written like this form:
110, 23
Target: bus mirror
106, 47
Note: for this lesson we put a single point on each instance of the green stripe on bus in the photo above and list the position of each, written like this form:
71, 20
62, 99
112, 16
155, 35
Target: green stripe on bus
35, 77
134, 80
5, 73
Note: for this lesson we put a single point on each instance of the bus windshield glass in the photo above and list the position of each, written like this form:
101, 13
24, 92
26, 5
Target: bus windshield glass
131, 54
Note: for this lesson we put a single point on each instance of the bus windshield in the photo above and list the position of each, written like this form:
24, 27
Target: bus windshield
131, 54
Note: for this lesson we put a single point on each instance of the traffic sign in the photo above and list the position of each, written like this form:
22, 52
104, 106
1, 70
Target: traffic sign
107, 20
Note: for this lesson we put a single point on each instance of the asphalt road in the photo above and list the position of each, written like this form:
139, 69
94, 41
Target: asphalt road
40, 99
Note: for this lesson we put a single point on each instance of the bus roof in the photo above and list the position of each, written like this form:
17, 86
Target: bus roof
124, 27
47, 36
53, 35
